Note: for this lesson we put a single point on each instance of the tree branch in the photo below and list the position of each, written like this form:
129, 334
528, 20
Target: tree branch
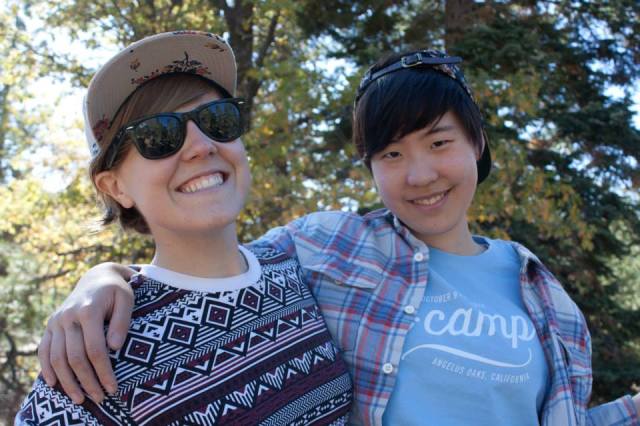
43, 278
13, 351
152, 8
93, 248
268, 40
120, 14
222, 4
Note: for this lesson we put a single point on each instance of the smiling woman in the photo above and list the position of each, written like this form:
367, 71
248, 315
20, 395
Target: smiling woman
184, 202
221, 334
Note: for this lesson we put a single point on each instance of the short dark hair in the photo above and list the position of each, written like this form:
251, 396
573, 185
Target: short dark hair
408, 100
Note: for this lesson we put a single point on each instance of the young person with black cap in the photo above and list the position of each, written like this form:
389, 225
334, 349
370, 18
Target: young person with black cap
438, 326
220, 334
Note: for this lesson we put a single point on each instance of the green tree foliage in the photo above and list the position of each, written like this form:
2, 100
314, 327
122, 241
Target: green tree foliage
17, 325
566, 172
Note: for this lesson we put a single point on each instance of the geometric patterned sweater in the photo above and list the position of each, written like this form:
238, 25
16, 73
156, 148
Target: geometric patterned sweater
256, 355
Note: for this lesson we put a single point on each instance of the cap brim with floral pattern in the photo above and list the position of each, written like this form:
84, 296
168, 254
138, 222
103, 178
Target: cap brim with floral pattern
194, 52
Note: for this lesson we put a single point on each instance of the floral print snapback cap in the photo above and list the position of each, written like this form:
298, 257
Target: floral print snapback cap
194, 52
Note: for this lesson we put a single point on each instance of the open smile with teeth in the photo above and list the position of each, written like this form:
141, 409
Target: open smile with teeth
429, 201
202, 182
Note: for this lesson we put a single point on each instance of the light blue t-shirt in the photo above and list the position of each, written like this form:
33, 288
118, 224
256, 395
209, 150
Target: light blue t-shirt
472, 356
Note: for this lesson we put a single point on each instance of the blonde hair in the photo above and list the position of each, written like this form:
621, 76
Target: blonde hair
162, 94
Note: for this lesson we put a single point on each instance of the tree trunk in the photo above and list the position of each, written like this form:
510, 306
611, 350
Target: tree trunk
458, 16
4, 121
240, 23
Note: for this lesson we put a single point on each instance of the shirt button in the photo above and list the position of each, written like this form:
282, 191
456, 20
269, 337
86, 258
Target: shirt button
409, 309
418, 257
387, 368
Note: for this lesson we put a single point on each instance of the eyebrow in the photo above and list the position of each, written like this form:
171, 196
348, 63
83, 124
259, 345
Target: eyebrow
439, 128
436, 129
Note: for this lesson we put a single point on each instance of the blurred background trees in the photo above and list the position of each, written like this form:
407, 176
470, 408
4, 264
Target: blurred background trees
555, 81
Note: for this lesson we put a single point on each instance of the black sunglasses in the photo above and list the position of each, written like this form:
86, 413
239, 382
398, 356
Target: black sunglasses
162, 135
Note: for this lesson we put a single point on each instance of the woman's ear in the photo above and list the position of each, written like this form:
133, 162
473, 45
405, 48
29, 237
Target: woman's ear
109, 183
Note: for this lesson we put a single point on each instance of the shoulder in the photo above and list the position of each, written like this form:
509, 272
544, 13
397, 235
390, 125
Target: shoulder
337, 217
342, 225
324, 228
533, 270
306, 223
560, 307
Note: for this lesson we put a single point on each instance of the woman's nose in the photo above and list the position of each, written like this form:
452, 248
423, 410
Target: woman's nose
421, 171
196, 143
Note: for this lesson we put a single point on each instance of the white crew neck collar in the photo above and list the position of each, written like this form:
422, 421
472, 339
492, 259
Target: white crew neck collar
208, 285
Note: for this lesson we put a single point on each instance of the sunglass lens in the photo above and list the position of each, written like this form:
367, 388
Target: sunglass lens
221, 121
158, 137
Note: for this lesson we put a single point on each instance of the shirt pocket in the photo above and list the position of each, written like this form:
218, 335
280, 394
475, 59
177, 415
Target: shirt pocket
577, 363
343, 299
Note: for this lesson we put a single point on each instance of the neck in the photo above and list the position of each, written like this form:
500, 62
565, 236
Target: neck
457, 241
207, 255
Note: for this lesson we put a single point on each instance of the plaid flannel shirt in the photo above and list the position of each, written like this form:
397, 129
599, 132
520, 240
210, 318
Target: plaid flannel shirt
366, 270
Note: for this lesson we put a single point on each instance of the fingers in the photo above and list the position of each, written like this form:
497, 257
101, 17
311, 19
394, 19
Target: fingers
44, 351
96, 350
120, 319
79, 363
74, 341
73, 351
58, 358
